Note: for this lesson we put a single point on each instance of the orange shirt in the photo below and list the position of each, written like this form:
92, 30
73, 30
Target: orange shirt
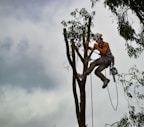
102, 47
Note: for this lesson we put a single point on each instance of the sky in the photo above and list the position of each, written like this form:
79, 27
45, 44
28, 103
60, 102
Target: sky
35, 85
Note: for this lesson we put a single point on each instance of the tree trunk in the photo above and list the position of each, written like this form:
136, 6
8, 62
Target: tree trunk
82, 105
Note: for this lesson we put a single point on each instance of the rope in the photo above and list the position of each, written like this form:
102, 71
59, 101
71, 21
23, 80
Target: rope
114, 107
91, 100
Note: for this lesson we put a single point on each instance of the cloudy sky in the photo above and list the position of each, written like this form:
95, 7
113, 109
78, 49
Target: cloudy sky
35, 85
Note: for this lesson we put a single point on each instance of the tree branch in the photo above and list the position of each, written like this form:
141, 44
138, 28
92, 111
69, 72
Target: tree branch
77, 51
76, 99
86, 46
90, 54
74, 66
67, 47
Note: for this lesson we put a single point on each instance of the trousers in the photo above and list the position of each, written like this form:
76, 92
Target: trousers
101, 63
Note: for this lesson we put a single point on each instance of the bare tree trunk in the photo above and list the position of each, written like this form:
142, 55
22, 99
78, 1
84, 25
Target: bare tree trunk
82, 105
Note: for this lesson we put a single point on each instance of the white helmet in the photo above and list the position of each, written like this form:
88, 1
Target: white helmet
97, 36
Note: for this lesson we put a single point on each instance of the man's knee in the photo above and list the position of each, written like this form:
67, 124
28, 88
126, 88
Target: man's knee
97, 72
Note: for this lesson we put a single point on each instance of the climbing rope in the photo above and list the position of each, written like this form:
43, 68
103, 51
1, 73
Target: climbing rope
91, 100
110, 98
114, 107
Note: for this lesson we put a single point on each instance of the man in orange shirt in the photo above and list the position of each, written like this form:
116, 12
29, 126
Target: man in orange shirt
104, 61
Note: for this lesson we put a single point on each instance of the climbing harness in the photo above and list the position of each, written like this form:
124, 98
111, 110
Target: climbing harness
113, 72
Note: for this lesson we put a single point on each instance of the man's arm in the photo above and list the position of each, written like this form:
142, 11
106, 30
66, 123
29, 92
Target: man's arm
103, 49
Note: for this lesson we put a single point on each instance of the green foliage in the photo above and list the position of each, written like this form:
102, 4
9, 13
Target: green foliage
126, 31
131, 50
113, 4
132, 83
77, 27
122, 9
131, 120
135, 5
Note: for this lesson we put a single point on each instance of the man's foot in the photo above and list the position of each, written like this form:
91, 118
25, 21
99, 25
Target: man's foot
105, 83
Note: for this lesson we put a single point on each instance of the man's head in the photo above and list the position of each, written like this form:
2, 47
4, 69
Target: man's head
97, 37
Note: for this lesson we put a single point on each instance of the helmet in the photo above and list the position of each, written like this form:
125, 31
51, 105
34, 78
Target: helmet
97, 36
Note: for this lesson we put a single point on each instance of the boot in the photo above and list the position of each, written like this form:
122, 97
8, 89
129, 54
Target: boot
105, 83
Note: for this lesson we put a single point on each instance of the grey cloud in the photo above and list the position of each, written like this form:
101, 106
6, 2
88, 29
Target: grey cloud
22, 9
53, 120
26, 9
6, 44
36, 109
33, 122
23, 69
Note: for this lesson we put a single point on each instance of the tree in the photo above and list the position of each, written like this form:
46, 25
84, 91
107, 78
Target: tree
76, 32
122, 9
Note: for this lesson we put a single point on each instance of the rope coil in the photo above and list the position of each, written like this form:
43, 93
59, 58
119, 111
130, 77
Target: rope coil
114, 107
113, 72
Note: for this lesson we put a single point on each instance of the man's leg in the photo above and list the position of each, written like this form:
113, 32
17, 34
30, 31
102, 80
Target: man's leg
93, 65
101, 76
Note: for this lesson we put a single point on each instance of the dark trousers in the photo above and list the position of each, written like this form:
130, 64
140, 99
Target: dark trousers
101, 63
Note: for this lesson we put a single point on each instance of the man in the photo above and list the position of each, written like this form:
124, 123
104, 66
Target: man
106, 58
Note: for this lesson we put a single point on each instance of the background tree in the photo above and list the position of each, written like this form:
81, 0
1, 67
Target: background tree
133, 83
76, 32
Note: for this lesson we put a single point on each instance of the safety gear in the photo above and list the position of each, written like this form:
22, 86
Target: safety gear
113, 72
97, 36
